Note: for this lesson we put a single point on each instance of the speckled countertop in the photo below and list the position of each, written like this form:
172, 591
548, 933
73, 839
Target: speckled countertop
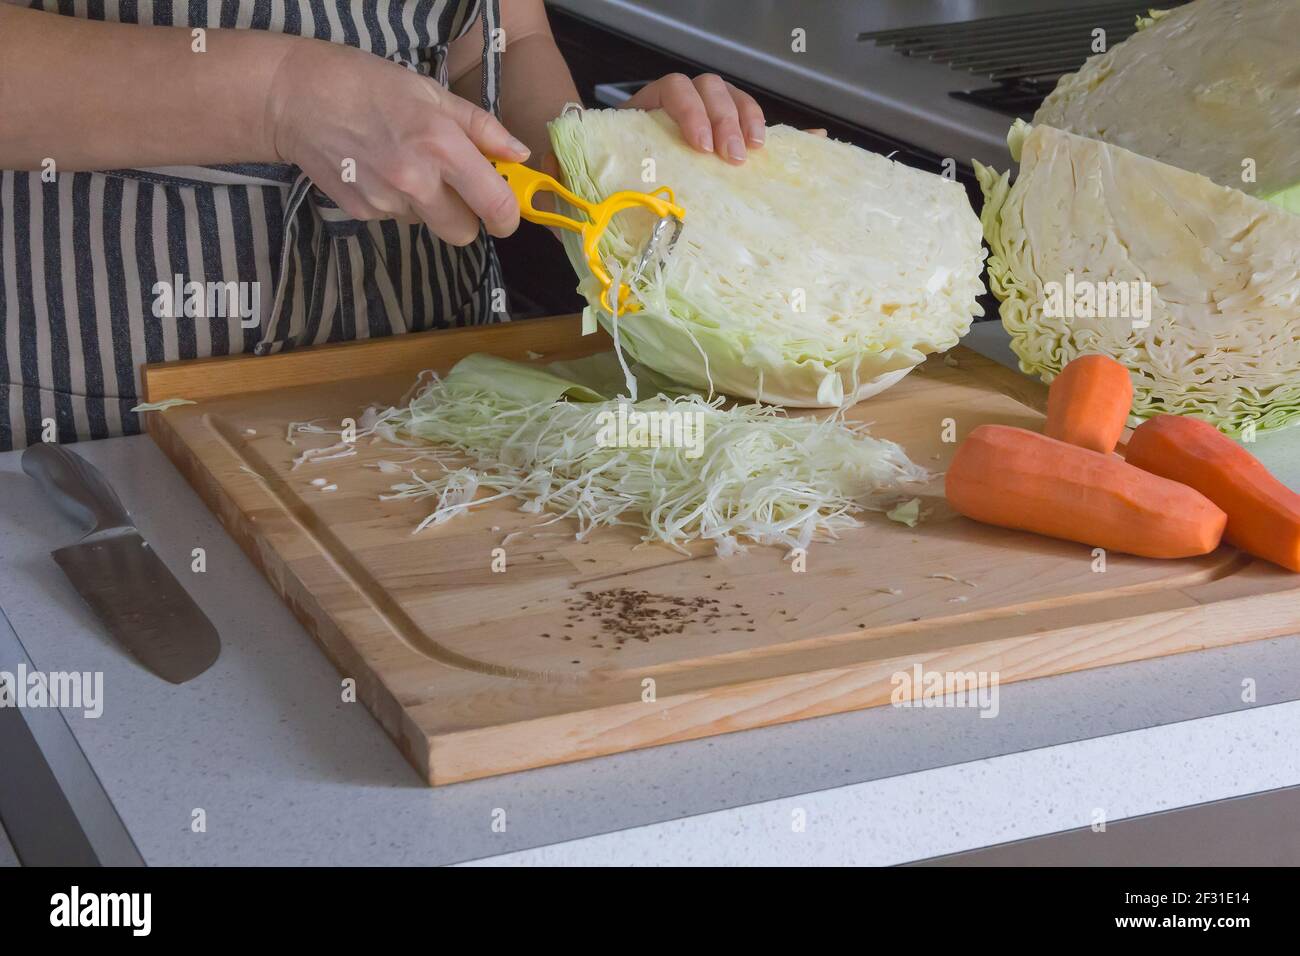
284, 772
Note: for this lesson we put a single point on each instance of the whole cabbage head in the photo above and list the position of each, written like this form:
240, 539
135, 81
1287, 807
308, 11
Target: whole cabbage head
1194, 286
814, 274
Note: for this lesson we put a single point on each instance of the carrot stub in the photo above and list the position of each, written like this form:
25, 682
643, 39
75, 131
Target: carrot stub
1020, 479
1089, 402
1263, 514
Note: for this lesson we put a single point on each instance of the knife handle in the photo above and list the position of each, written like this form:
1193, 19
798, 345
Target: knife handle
75, 486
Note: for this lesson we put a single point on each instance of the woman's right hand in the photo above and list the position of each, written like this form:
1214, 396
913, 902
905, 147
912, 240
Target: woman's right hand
416, 150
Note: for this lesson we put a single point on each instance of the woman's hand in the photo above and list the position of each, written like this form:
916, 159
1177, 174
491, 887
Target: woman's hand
386, 143
713, 115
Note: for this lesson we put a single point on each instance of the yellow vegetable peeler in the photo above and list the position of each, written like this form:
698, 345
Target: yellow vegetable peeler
525, 183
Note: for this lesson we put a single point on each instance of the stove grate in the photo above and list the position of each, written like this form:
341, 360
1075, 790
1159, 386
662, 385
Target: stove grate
1023, 55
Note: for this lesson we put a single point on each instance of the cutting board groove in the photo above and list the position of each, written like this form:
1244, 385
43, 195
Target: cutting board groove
474, 672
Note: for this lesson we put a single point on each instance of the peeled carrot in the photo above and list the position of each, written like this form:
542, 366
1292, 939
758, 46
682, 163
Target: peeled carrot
1089, 402
1020, 479
1263, 513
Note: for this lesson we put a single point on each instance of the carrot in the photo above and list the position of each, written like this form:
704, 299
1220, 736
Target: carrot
1089, 402
1263, 513
1019, 479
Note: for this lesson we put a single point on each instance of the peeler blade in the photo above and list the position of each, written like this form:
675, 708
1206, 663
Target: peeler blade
662, 239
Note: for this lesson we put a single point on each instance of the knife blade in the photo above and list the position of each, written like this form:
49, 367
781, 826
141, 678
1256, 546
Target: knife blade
119, 575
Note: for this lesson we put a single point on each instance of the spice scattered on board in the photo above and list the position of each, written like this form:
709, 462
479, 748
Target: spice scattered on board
629, 614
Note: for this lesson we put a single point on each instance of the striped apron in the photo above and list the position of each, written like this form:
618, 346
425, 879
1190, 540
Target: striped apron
83, 256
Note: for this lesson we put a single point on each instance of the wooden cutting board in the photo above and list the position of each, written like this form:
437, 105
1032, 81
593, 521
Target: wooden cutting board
477, 672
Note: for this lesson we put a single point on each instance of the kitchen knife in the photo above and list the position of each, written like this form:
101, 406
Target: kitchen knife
119, 575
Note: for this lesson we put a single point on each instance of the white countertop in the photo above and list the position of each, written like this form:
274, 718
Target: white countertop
287, 773
981, 803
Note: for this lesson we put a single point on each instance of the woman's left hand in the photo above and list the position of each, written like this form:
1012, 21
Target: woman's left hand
713, 115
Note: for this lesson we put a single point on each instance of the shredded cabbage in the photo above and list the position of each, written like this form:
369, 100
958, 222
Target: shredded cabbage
1222, 275
814, 274
906, 512
162, 406
756, 474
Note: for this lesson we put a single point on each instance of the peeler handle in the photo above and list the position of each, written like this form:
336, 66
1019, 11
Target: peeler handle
526, 182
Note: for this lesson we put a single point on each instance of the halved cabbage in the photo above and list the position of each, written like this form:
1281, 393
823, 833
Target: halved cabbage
1205, 87
813, 274
1223, 339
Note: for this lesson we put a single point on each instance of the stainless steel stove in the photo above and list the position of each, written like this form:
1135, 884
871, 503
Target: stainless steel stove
946, 76
1014, 59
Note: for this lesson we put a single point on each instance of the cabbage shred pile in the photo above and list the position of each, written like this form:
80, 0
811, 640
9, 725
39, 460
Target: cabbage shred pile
758, 476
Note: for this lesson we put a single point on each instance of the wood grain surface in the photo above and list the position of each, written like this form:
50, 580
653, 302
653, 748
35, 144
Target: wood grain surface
475, 672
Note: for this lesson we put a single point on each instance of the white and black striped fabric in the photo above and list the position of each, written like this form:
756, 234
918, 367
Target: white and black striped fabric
80, 255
